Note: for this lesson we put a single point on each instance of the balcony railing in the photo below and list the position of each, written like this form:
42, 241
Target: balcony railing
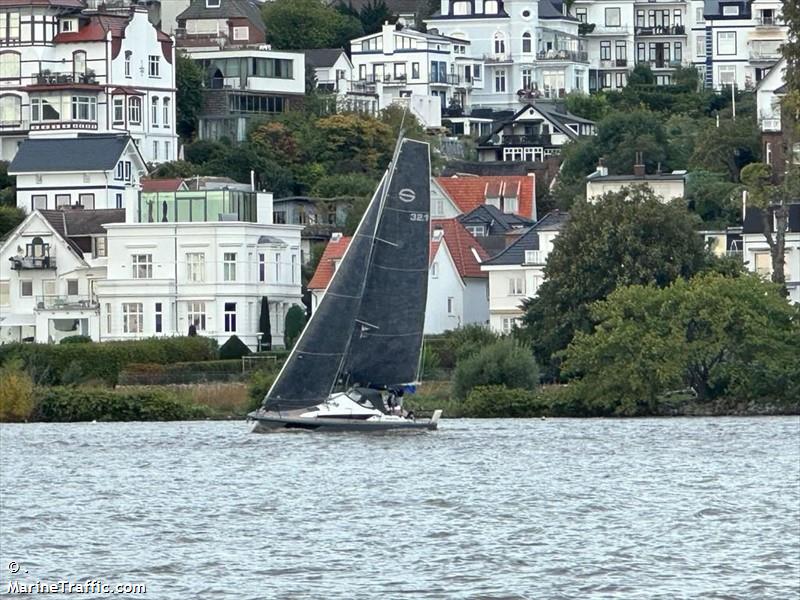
662, 64
612, 64
23, 263
48, 78
497, 59
769, 22
515, 139
563, 55
65, 302
770, 124
765, 54
58, 125
661, 30
595, 29
362, 87
445, 79
14, 125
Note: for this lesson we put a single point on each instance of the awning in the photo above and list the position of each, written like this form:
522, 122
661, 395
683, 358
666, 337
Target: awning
17, 320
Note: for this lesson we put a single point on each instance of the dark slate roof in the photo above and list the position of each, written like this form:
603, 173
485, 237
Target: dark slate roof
552, 9
635, 178
491, 215
322, 57
753, 222
396, 7
86, 153
227, 9
515, 253
549, 111
454, 167
75, 223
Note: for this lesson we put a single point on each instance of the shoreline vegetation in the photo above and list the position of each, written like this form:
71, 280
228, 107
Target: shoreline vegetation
45, 383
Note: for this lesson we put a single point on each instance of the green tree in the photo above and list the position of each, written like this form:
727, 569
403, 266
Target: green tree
727, 148
293, 326
505, 362
303, 24
10, 218
189, 79
791, 47
716, 200
359, 185
354, 143
716, 335
373, 14
621, 135
627, 237
176, 168
591, 106
641, 75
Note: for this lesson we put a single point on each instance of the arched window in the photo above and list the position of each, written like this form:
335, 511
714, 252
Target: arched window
79, 63
499, 43
165, 121
10, 110
154, 111
37, 248
527, 44
135, 111
9, 65
491, 7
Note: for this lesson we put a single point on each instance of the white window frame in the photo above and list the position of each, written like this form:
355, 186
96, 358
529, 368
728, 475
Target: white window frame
153, 66
135, 110
196, 315
229, 317
165, 103
516, 286
132, 317
239, 36
118, 111
195, 267
5, 293
141, 266
730, 36
229, 266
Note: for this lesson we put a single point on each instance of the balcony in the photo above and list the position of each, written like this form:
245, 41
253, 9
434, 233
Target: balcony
766, 52
362, 87
614, 64
773, 125
498, 59
49, 78
542, 139
768, 23
26, 263
662, 64
59, 125
14, 125
563, 56
445, 79
594, 29
660, 30
65, 303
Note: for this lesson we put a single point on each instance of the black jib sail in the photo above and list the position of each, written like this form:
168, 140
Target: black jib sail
387, 339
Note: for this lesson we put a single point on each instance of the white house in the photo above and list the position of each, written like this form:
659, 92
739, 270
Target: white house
334, 74
457, 288
756, 254
668, 186
199, 258
49, 267
97, 171
769, 96
414, 67
518, 271
519, 48
67, 71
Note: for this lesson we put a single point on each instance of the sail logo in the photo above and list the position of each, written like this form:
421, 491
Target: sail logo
407, 195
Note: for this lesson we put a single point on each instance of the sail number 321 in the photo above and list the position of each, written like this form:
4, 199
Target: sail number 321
415, 216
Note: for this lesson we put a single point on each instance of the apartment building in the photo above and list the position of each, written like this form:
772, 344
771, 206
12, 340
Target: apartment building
66, 70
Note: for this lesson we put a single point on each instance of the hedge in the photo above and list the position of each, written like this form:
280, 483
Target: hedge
181, 372
70, 404
498, 401
49, 363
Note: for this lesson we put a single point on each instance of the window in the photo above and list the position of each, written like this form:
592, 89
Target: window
499, 43
698, 15
509, 323
142, 266
159, 317
63, 200
155, 149
212, 3
128, 63
677, 54
730, 11
127, 170
580, 14
9, 26
5, 293
526, 42
108, 317
726, 43
768, 152
119, 201
533, 257
700, 45
294, 268
612, 17
86, 201
26, 288
229, 266
197, 315
165, 118
462, 8
79, 62
516, 286
84, 108
509, 205
72, 287
727, 75
476, 230
166, 151
641, 52
135, 111
119, 110
435, 270
763, 263
476, 71
621, 51
677, 17
195, 267
605, 50
490, 7
400, 71
230, 316
39, 202
262, 266
619, 80
9, 65
10, 110
527, 79
100, 246
241, 34
277, 266
154, 111
132, 317
450, 305
500, 80
152, 65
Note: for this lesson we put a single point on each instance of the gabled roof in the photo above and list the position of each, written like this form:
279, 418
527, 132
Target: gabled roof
489, 214
468, 192
163, 185
556, 118
82, 153
515, 253
96, 29
323, 57
467, 253
227, 9
79, 223
327, 263
553, 9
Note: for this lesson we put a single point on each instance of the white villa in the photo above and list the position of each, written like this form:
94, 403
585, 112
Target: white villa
66, 71
667, 186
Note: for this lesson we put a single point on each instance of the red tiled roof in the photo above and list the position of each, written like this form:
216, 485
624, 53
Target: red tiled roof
470, 192
95, 30
162, 185
326, 267
461, 244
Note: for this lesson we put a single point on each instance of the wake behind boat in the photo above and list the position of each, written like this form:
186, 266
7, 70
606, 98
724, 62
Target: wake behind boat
361, 349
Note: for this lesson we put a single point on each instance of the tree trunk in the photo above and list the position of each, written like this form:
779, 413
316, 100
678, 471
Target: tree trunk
777, 242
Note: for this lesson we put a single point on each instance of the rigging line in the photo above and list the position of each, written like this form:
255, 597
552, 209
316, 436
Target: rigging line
387, 242
385, 268
301, 352
402, 210
342, 295
386, 335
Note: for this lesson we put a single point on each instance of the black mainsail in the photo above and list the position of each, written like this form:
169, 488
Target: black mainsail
368, 325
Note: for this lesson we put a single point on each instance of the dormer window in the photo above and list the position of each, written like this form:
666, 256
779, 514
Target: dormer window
212, 3
462, 7
730, 11
491, 7
68, 25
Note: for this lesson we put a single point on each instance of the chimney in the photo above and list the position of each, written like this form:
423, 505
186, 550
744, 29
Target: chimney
638, 167
602, 169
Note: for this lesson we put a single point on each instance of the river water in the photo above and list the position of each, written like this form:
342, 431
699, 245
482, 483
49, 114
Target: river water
647, 508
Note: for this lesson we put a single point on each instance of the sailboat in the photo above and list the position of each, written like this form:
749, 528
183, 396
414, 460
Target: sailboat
362, 347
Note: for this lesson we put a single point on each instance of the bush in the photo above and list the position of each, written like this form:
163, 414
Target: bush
182, 372
260, 382
506, 362
76, 339
295, 321
16, 393
48, 363
498, 401
71, 404
233, 348
458, 344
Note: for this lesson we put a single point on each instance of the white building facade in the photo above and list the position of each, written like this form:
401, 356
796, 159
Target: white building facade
64, 72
